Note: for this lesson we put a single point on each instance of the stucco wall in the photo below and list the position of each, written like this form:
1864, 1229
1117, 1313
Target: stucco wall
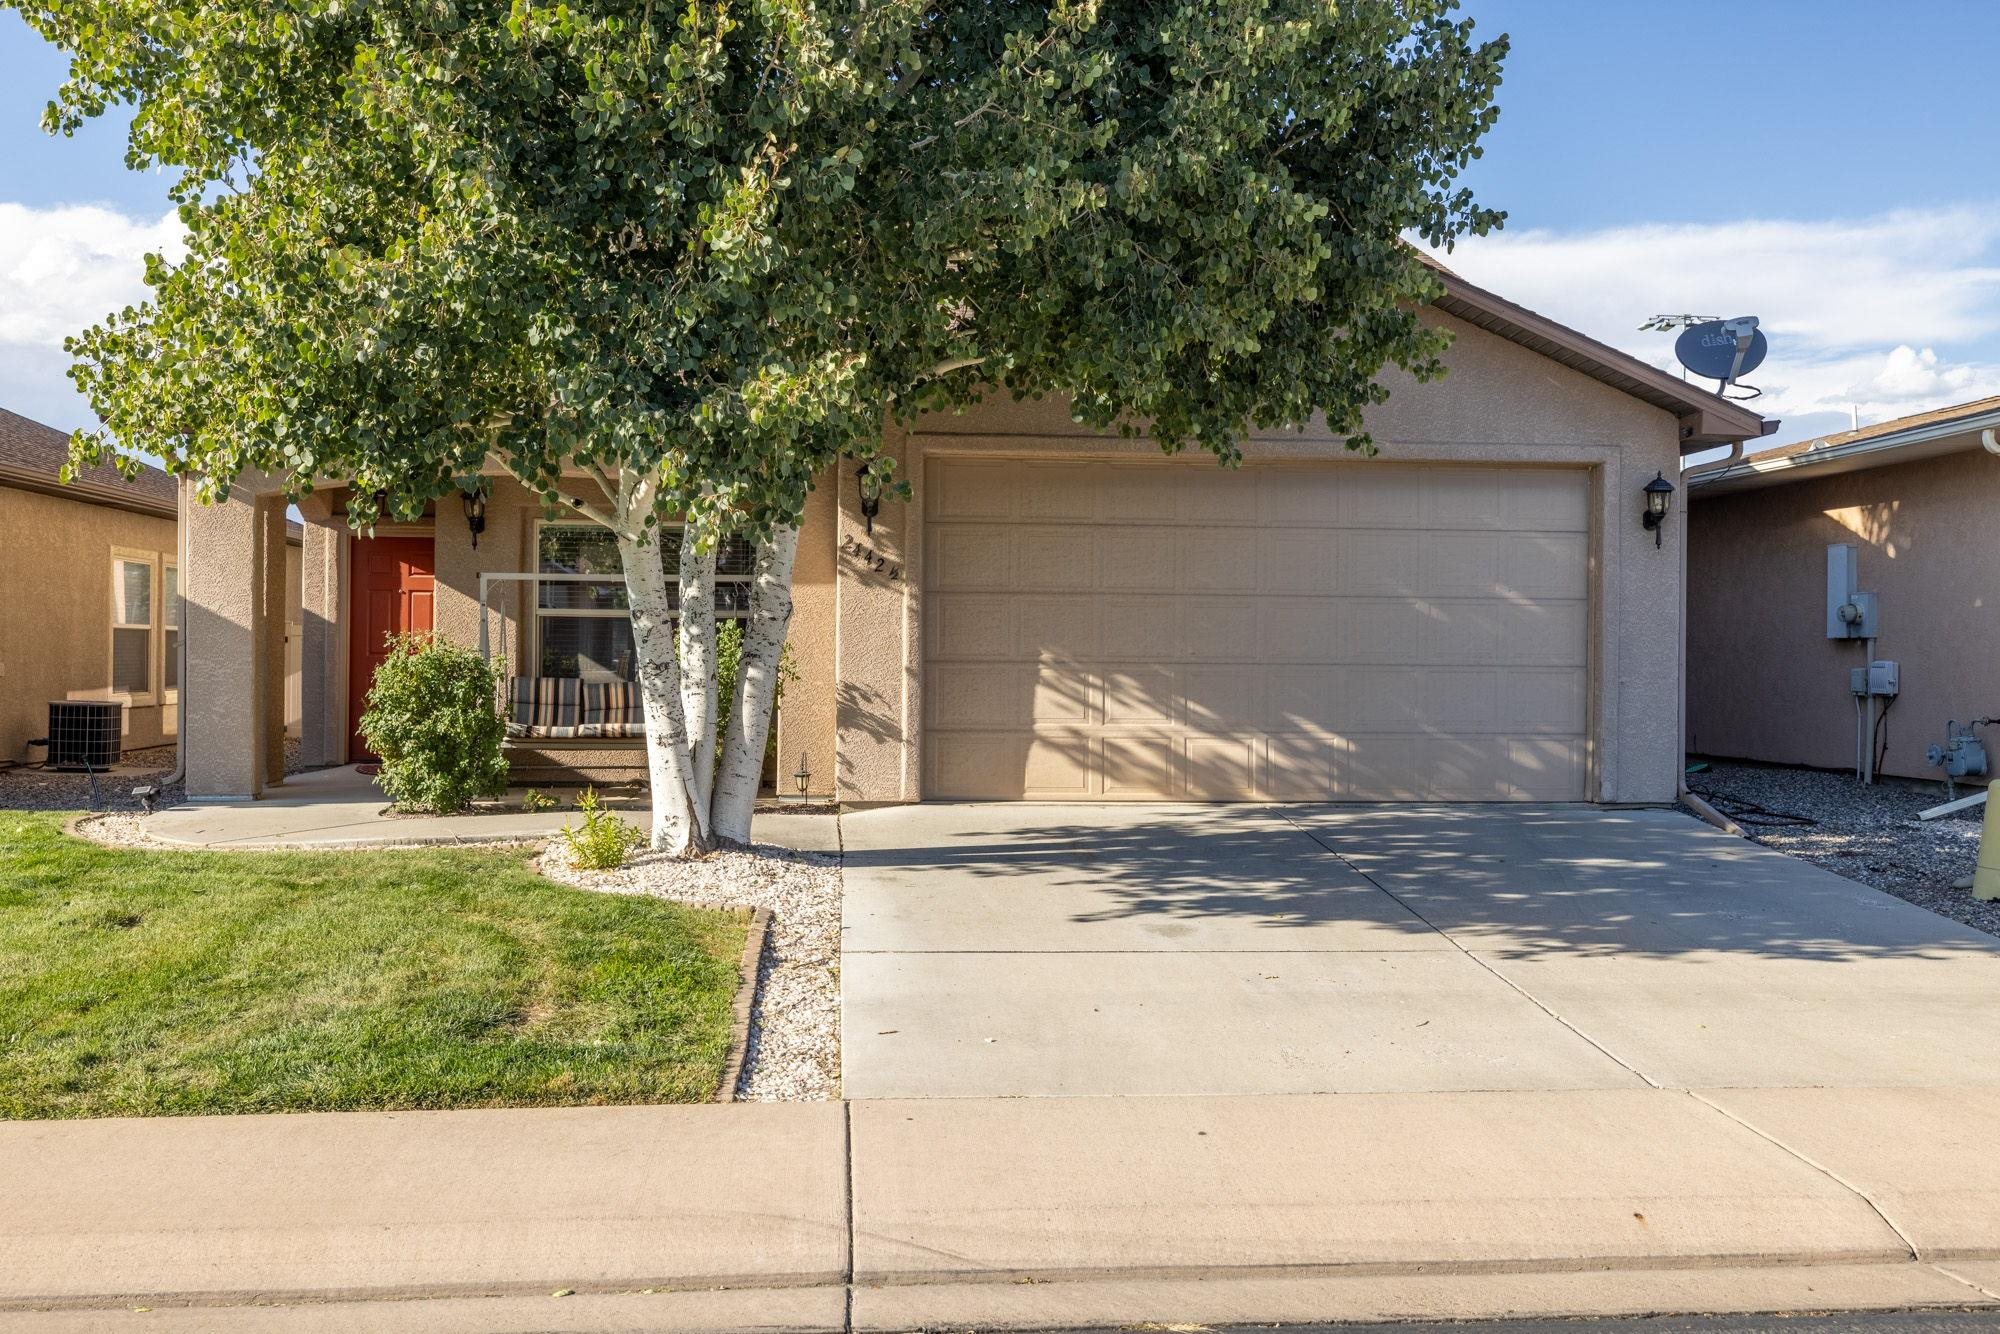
55, 612
1500, 404
808, 714
1764, 681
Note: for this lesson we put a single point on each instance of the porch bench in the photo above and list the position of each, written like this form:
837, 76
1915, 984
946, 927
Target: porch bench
563, 708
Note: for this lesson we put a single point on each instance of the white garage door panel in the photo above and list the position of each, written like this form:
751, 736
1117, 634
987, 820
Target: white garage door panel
1359, 631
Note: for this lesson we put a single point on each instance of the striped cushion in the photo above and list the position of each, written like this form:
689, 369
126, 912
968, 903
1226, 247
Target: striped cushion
612, 709
564, 707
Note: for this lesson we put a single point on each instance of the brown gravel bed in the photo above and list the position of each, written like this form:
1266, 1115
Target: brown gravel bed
31, 788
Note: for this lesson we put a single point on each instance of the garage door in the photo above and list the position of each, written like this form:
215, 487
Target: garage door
1348, 631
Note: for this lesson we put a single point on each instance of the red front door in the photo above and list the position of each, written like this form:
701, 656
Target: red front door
394, 580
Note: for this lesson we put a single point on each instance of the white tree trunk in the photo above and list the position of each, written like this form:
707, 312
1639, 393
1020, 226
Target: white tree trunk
756, 687
697, 664
680, 824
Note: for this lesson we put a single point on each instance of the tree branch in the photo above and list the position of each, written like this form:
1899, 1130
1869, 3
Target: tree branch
953, 364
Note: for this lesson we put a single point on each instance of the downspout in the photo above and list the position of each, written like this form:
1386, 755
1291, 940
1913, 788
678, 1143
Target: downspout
1701, 809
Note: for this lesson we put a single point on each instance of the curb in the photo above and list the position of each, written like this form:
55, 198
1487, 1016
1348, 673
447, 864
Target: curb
76, 827
749, 972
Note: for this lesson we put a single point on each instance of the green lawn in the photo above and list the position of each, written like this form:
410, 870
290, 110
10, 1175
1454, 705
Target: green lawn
168, 983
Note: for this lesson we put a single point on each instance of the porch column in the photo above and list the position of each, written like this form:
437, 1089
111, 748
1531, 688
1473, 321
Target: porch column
273, 614
225, 703
323, 652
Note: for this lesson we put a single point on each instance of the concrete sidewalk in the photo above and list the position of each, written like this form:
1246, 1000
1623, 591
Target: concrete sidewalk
1008, 1212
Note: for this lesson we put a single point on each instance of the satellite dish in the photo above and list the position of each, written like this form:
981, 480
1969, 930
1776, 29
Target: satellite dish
1722, 349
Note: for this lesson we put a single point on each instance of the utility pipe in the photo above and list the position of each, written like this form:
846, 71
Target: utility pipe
1701, 809
1989, 439
181, 646
1690, 476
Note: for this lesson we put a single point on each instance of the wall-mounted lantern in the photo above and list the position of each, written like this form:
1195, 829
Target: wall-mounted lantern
472, 495
871, 495
1659, 499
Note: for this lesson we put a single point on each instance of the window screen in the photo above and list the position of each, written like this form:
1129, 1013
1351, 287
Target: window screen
170, 616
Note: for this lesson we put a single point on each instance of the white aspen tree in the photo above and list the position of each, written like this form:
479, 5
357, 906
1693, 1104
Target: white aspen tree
756, 686
680, 822
697, 654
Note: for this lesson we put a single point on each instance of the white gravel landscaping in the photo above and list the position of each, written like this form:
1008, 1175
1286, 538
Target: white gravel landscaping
794, 1049
1869, 834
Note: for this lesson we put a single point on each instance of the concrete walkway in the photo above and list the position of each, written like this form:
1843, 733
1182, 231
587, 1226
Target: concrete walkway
344, 808
1024, 1212
1019, 950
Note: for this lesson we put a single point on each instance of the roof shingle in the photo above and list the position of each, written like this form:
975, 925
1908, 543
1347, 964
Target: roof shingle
1890, 427
29, 448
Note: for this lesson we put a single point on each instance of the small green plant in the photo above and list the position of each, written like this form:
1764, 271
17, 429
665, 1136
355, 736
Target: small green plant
536, 800
430, 717
604, 841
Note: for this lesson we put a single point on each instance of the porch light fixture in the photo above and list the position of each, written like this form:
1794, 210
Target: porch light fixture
871, 496
802, 780
472, 495
1659, 499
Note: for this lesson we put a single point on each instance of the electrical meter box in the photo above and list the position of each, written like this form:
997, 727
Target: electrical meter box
1850, 613
1877, 678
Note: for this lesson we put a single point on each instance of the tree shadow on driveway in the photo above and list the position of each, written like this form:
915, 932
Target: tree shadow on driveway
1508, 881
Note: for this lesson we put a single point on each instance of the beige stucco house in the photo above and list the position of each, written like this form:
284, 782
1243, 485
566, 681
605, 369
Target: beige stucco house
1476, 614
88, 605
90, 608
1918, 498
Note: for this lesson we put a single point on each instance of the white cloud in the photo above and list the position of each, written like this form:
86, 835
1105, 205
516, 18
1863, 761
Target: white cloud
64, 269
1891, 314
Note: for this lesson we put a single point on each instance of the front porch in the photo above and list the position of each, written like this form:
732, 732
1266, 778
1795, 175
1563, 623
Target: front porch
528, 589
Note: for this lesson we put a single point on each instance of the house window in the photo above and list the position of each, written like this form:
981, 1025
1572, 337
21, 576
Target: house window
584, 626
131, 625
170, 615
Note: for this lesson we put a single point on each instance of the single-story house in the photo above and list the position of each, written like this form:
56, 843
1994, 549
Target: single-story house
1478, 614
90, 608
1916, 498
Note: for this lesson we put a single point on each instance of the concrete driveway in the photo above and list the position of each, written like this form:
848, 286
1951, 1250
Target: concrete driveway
1024, 950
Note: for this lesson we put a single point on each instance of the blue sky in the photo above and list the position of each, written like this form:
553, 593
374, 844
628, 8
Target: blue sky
1823, 164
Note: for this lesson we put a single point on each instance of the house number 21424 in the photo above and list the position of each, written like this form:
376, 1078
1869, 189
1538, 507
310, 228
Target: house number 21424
872, 559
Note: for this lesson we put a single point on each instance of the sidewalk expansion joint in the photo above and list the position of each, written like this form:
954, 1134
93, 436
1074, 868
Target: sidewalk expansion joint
1982, 1289
847, 1190
1819, 1167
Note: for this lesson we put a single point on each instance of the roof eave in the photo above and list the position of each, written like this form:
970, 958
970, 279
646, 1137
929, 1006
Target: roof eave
1875, 452
88, 492
1706, 419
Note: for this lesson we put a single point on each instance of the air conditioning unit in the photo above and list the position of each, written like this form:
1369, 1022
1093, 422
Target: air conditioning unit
85, 733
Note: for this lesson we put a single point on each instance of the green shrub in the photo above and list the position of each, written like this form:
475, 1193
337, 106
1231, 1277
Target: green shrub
728, 657
534, 799
430, 716
604, 841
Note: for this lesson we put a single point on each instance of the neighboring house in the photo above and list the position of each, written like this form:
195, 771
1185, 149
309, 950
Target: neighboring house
1477, 614
90, 606
1918, 497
